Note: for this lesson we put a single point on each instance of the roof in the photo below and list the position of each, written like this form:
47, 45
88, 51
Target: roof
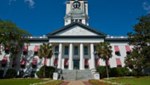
53, 34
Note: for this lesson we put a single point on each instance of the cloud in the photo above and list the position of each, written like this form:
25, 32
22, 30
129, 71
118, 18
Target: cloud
11, 1
146, 6
31, 3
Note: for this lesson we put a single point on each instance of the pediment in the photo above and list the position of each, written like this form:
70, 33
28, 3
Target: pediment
76, 29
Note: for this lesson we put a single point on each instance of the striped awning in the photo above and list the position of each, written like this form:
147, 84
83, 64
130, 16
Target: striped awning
6, 48
116, 48
25, 48
4, 60
128, 48
86, 62
56, 61
97, 62
23, 61
118, 61
36, 48
34, 61
66, 61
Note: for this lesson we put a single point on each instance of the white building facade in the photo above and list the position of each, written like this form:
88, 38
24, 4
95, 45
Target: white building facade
74, 45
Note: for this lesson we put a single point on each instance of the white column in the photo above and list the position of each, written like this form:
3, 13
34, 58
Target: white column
70, 57
60, 56
52, 60
92, 61
81, 57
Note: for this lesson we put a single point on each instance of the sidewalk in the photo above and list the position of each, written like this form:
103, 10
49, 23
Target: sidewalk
76, 83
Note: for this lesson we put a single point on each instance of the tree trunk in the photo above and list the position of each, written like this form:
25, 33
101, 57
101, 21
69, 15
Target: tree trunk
107, 71
45, 61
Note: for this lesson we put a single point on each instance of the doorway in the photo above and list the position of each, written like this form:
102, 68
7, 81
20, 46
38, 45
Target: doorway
76, 63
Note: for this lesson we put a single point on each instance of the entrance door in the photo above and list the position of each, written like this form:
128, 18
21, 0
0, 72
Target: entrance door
76, 64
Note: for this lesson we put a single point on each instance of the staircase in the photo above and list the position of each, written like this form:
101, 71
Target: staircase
77, 74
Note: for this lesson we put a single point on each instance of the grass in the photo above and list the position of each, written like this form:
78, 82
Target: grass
123, 81
58, 82
19, 81
97, 82
28, 82
132, 80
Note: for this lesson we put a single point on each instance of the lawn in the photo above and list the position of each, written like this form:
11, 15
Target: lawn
28, 81
132, 81
123, 81
19, 81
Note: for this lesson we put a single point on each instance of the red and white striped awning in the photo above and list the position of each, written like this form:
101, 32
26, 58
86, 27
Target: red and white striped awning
86, 62
23, 61
128, 48
36, 48
118, 61
34, 61
97, 62
66, 61
6, 48
4, 60
116, 48
56, 61
25, 48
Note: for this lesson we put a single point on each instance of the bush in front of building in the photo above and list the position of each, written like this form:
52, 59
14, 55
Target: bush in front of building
102, 71
119, 72
11, 73
46, 72
113, 72
1, 73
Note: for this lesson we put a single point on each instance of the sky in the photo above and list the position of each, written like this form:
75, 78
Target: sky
39, 17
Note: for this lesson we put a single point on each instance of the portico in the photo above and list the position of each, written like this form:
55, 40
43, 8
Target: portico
76, 54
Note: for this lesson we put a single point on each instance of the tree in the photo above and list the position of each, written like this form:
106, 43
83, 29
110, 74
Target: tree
139, 58
12, 37
104, 52
45, 52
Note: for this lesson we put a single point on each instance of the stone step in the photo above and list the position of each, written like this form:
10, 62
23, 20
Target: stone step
77, 74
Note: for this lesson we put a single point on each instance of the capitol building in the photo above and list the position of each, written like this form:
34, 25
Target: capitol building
74, 45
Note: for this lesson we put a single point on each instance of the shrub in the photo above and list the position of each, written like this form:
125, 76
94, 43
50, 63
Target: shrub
102, 71
11, 73
1, 73
119, 71
47, 71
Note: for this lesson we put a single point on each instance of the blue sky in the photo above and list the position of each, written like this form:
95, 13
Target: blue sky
39, 17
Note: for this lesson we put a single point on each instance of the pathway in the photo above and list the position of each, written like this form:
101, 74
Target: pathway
76, 83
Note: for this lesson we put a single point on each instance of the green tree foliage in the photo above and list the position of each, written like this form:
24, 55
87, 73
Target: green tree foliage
139, 58
12, 37
48, 70
104, 52
11, 73
45, 52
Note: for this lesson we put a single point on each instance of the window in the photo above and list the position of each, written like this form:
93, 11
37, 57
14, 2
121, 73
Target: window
56, 50
72, 20
85, 50
76, 50
80, 20
94, 48
76, 20
66, 52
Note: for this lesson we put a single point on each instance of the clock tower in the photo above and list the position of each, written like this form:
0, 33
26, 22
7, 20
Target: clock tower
76, 11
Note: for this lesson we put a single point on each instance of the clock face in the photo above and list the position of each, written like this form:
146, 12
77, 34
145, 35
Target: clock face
76, 4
